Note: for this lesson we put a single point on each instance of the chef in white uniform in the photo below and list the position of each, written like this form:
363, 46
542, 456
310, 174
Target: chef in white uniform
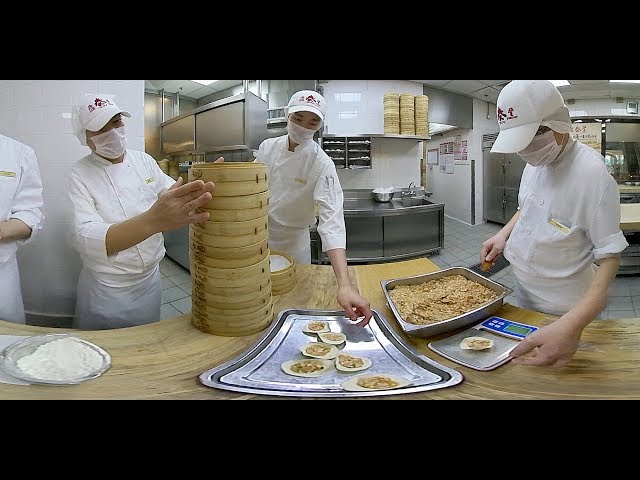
300, 174
568, 217
122, 202
20, 219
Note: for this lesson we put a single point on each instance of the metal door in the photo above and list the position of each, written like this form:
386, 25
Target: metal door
494, 194
513, 168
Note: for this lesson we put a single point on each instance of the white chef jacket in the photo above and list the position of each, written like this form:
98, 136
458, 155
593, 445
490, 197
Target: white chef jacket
20, 198
569, 217
296, 181
104, 194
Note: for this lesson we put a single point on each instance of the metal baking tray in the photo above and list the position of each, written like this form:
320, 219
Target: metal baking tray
468, 318
259, 369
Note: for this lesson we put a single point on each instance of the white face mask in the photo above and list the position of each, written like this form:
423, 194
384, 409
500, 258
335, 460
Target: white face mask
298, 134
110, 144
542, 150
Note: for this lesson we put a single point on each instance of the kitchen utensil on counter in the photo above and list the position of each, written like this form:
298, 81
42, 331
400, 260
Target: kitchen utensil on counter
383, 195
504, 333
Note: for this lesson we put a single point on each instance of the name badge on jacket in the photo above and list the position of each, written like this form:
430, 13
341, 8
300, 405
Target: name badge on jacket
554, 223
7, 174
301, 180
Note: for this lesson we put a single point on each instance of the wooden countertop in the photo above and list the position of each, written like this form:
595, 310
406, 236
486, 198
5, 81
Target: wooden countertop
629, 216
629, 188
163, 360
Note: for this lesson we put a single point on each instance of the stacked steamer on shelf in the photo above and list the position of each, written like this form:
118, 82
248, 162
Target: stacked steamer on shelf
283, 273
229, 253
174, 169
391, 113
422, 115
407, 114
164, 165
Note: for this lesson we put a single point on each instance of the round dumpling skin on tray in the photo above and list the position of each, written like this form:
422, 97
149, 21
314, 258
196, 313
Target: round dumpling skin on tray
374, 381
351, 363
333, 338
319, 350
308, 367
476, 343
316, 327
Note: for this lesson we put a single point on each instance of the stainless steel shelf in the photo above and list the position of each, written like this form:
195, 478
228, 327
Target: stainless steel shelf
378, 135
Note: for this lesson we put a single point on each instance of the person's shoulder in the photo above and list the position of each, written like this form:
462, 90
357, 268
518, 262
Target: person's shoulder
11, 143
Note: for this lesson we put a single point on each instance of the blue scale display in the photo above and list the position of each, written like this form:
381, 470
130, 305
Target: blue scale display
507, 328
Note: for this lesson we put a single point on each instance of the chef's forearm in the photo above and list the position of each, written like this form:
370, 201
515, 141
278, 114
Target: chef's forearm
14, 229
129, 233
338, 258
508, 228
595, 300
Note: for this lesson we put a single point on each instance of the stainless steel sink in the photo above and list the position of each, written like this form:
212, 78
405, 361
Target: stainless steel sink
413, 201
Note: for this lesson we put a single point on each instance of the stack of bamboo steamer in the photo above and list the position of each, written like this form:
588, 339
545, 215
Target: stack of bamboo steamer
391, 113
164, 165
174, 169
283, 273
407, 114
422, 115
229, 253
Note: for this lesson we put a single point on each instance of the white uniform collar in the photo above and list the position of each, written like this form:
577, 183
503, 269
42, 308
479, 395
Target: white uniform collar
104, 162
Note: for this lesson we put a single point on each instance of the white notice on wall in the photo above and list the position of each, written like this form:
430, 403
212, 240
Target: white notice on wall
432, 157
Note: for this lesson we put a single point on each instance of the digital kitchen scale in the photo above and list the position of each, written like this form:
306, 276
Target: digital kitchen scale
506, 334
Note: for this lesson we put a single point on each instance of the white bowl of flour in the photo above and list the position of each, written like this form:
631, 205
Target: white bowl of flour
57, 359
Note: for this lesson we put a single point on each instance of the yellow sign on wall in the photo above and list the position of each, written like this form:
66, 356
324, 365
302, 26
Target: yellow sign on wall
589, 134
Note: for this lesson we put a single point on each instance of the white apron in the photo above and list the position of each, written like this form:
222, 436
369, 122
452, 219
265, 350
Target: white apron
99, 307
11, 306
292, 241
554, 296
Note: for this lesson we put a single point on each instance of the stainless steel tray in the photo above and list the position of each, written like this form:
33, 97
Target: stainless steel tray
471, 317
259, 369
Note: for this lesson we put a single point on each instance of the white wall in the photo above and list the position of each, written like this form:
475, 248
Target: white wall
605, 107
454, 190
38, 113
357, 107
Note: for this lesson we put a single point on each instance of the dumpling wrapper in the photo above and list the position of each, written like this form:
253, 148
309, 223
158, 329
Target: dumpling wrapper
332, 338
311, 327
289, 367
323, 350
476, 343
346, 358
373, 382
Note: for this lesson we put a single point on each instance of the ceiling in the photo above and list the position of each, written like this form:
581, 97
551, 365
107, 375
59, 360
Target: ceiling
486, 90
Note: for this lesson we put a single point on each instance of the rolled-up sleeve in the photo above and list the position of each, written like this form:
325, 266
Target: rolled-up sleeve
27, 205
604, 230
331, 228
89, 228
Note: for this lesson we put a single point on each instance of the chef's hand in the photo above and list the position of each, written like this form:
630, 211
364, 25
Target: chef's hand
553, 345
355, 306
176, 207
492, 248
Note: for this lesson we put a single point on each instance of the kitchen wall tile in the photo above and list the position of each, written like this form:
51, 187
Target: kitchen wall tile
37, 142
57, 207
57, 119
54, 177
65, 149
7, 96
57, 92
27, 96
81, 87
124, 96
8, 122
29, 121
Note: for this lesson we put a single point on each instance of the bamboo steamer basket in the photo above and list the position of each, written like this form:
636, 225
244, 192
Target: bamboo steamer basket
226, 241
238, 293
208, 324
218, 282
239, 202
232, 178
248, 272
212, 227
232, 320
237, 215
203, 260
260, 248
233, 302
224, 311
283, 280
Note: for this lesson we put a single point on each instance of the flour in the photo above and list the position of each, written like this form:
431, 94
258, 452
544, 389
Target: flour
278, 262
66, 359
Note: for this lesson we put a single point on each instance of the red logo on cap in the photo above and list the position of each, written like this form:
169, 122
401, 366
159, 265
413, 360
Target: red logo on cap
99, 103
508, 116
310, 99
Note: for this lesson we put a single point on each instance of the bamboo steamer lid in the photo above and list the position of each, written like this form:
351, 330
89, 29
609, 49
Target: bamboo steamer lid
239, 215
212, 227
239, 202
227, 262
230, 302
218, 282
256, 182
227, 240
251, 271
239, 293
260, 248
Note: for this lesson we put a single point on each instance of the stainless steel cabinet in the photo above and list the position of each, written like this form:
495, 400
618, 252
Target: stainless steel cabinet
364, 237
413, 234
